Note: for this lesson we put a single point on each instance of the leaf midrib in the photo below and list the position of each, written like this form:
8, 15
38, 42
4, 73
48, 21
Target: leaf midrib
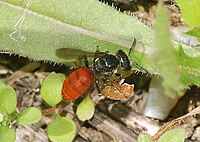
100, 36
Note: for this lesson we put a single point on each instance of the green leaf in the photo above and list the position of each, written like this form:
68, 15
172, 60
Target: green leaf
5, 118
62, 76
51, 89
7, 134
47, 31
48, 27
194, 32
175, 135
29, 116
8, 99
61, 129
165, 55
1, 117
2, 84
85, 109
144, 138
190, 11
189, 68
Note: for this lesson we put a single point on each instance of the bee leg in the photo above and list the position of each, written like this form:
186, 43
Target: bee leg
97, 85
86, 61
82, 61
140, 67
116, 87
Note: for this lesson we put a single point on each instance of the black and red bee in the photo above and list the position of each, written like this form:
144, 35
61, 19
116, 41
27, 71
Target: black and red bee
107, 72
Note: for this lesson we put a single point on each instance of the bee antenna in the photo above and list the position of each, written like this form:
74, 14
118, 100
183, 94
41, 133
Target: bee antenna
97, 50
134, 62
132, 46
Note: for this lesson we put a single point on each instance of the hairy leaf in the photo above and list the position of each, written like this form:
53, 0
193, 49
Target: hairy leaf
81, 24
47, 31
189, 68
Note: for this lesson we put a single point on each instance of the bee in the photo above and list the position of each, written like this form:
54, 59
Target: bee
107, 73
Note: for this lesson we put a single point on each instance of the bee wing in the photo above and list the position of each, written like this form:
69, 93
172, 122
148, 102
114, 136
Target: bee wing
71, 53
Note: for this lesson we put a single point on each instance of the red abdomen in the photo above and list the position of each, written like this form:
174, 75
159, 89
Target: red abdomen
76, 84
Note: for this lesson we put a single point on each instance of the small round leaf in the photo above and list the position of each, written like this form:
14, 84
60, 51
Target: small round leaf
62, 76
2, 84
51, 89
174, 135
29, 116
61, 129
8, 99
7, 134
85, 109
144, 138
